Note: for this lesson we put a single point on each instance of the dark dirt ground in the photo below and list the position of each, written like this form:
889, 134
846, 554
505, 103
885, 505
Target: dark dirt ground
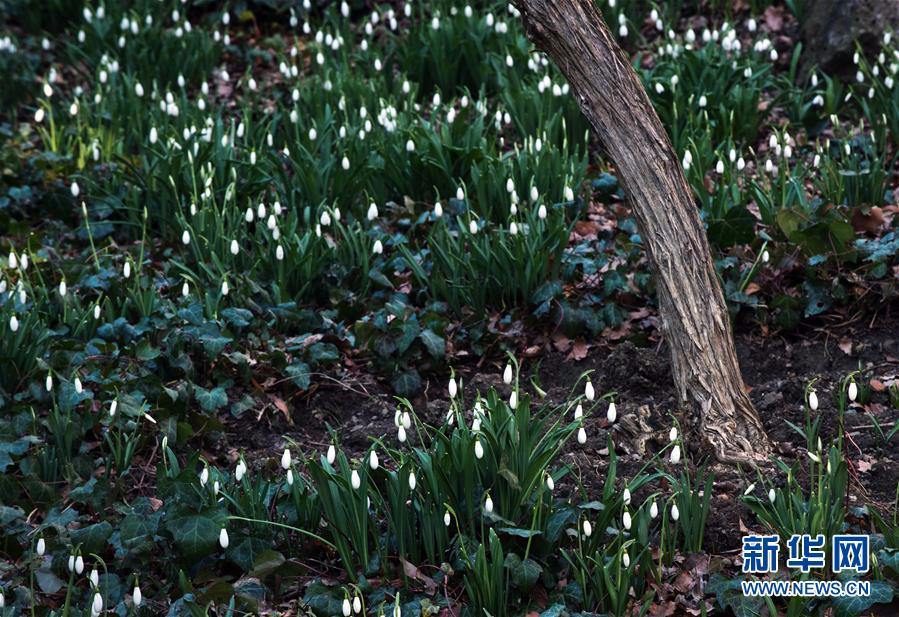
776, 368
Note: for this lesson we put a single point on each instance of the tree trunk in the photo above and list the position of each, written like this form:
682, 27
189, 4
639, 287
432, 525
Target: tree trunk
695, 321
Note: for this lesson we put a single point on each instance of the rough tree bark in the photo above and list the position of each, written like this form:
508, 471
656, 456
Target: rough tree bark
694, 315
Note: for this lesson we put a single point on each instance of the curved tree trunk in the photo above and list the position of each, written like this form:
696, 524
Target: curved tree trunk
694, 315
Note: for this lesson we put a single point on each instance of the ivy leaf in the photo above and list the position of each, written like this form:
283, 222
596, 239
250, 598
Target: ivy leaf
299, 373
407, 383
522, 573
211, 400
729, 593
850, 606
195, 534
93, 537
434, 343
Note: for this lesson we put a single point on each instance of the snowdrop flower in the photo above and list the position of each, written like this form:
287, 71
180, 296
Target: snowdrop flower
653, 509
581, 436
279, 253
771, 495
75, 189
452, 388
460, 194
357, 604
79, 564
626, 496
79, 388
240, 471
94, 577
589, 392
672, 434
675, 513
853, 391
765, 256
185, 238
626, 520
719, 167
488, 504
660, 89
345, 163
235, 248
447, 519
347, 608
113, 407
331, 454
578, 412
225, 288
97, 605
472, 227
438, 210
372, 212
541, 212
813, 400
513, 399
204, 476
71, 563
39, 115
568, 194
478, 449
14, 323
675, 454
185, 289
285, 459
401, 434
373, 460
126, 270
588, 528
49, 382
325, 219
412, 481
41, 547
741, 164
137, 597
612, 413
769, 166
814, 456
507, 374
154, 135
749, 489
223, 538
355, 480
377, 248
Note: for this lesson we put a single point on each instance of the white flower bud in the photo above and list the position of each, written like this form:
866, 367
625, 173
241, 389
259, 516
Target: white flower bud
285, 459
853, 391
331, 455
452, 388
447, 519
589, 392
478, 449
771, 495
488, 504
813, 400
626, 520
612, 413
223, 538
373, 460
675, 454
347, 608
588, 529
412, 481
653, 510
355, 480
507, 374
581, 436
675, 513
